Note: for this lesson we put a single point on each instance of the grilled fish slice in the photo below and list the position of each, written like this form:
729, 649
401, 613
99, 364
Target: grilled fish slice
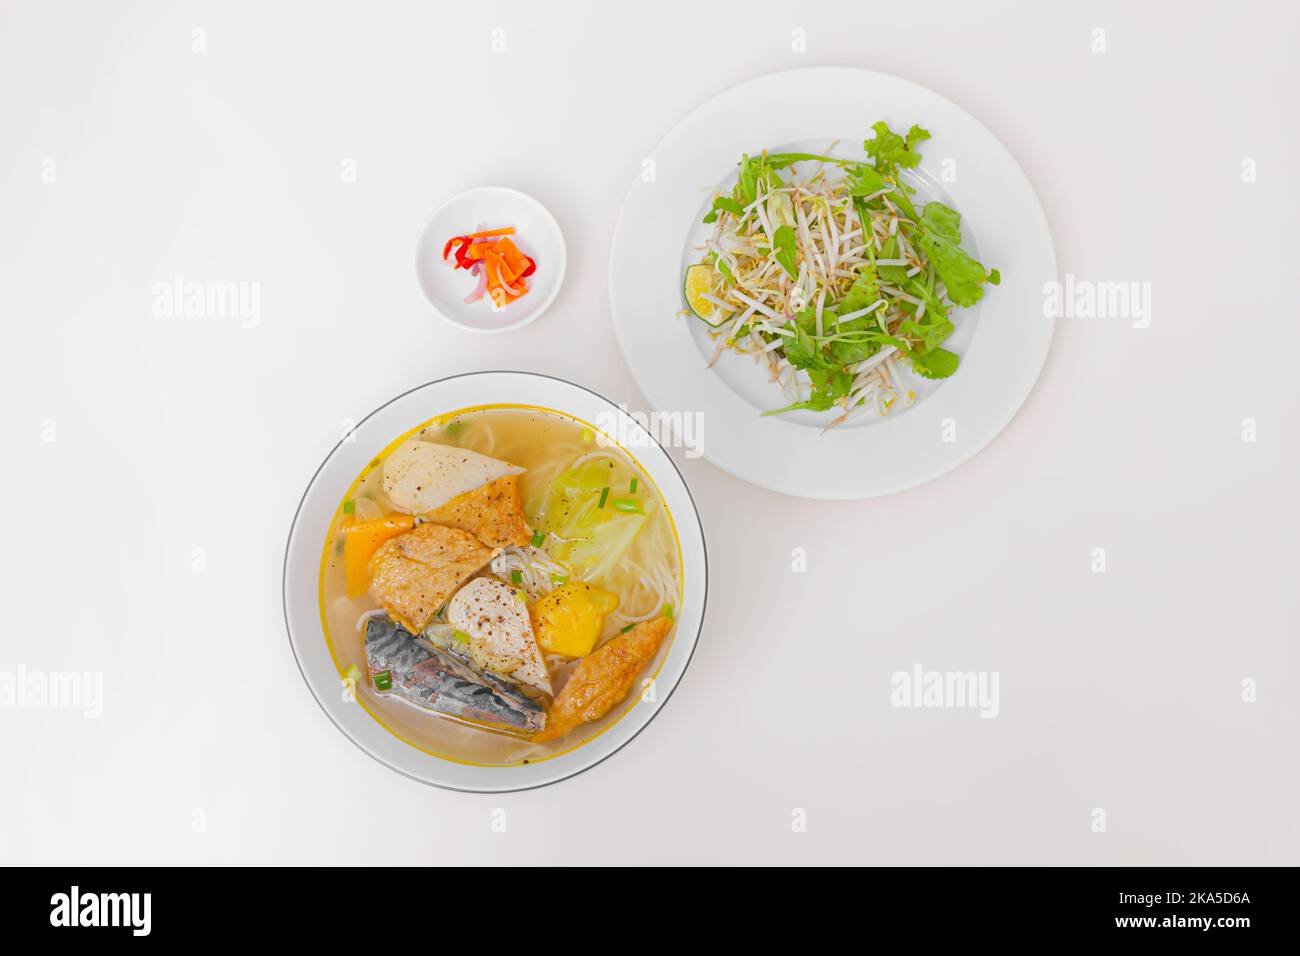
439, 681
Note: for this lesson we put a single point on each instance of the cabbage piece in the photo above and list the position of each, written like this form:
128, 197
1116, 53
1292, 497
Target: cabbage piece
592, 539
597, 556
573, 499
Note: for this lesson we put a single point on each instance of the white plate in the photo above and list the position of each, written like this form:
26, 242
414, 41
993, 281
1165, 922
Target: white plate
331, 482
537, 234
1002, 342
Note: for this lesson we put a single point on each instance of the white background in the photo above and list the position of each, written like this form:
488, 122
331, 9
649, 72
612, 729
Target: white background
1120, 691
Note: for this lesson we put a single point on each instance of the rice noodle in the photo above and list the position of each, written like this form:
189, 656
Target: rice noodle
535, 569
367, 615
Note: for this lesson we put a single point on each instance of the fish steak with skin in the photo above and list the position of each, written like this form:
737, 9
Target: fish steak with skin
439, 681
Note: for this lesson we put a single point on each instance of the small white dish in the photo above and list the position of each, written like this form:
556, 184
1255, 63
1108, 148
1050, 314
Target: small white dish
537, 234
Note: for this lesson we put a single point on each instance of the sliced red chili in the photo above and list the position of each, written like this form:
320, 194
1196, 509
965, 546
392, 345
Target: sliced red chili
454, 240
532, 267
461, 244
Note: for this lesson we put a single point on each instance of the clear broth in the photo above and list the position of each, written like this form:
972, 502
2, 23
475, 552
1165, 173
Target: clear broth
545, 444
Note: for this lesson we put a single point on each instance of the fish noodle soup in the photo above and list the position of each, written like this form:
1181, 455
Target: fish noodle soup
499, 585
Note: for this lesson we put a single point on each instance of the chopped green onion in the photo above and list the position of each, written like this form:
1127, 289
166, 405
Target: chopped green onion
624, 630
604, 493
632, 489
460, 637
516, 576
538, 539
353, 673
559, 579
627, 506
349, 506
587, 436
383, 681
667, 611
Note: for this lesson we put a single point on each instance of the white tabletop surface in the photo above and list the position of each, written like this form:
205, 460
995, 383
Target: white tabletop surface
152, 464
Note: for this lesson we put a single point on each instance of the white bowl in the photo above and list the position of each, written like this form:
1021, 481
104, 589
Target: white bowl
537, 234
327, 488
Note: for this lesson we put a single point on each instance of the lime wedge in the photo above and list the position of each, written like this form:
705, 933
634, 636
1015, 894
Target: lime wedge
698, 284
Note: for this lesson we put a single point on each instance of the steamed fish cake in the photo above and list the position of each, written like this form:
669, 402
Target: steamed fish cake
495, 617
413, 574
420, 476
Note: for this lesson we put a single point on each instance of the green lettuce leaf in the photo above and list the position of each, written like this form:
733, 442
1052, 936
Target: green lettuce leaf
941, 221
937, 364
783, 243
891, 151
